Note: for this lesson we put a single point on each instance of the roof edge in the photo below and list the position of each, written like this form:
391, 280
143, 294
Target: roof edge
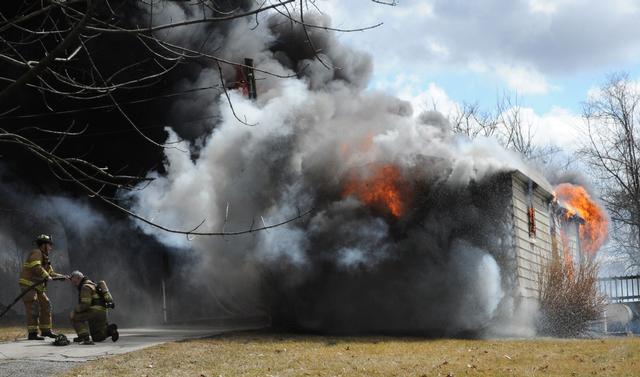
537, 178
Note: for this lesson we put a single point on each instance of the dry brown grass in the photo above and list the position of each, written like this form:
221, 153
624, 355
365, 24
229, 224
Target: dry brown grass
13, 333
264, 354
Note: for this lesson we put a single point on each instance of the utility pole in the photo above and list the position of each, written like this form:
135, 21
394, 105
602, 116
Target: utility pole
165, 273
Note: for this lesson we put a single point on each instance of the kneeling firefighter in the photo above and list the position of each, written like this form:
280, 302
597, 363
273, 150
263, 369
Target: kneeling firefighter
93, 301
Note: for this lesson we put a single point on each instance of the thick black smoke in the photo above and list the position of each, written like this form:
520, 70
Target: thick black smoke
97, 240
443, 266
434, 271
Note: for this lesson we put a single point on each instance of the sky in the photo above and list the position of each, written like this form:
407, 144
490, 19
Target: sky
550, 53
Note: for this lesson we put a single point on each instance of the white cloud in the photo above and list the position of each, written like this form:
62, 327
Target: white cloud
595, 92
400, 83
523, 80
543, 6
627, 6
477, 66
424, 9
548, 36
559, 127
437, 48
434, 98
420, 9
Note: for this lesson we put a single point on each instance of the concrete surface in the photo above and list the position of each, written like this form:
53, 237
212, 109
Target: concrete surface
42, 358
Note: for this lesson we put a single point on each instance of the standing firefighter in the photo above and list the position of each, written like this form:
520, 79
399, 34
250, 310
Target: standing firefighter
37, 268
93, 301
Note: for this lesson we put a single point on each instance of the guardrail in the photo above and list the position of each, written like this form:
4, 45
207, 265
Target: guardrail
620, 288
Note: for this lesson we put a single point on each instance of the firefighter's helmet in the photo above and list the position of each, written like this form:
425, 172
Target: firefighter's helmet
44, 238
61, 340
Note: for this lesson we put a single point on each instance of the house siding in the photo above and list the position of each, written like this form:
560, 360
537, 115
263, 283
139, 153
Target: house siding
532, 253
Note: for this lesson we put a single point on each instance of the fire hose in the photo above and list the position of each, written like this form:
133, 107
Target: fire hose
29, 288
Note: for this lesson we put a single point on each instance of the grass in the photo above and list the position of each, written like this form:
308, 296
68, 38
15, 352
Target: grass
13, 333
267, 354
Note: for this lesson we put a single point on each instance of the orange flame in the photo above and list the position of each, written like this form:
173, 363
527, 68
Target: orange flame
380, 188
594, 231
568, 258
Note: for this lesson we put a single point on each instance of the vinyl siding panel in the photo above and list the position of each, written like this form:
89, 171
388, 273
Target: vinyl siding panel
531, 252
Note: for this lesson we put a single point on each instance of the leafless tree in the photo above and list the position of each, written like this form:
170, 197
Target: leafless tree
516, 133
505, 122
470, 120
51, 49
612, 151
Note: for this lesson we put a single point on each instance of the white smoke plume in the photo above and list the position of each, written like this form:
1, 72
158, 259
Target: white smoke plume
349, 266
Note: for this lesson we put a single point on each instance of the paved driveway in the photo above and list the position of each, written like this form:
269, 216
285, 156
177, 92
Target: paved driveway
42, 358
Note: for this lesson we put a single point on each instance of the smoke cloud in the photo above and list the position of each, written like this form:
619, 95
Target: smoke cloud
103, 247
430, 253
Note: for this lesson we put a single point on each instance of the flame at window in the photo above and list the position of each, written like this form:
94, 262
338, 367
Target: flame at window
593, 233
381, 187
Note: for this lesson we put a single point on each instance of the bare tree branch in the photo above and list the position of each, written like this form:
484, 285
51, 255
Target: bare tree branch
57, 57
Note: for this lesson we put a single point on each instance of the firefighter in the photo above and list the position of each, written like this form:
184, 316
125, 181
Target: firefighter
93, 301
36, 268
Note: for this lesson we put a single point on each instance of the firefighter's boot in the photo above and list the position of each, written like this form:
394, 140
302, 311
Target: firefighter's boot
112, 331
82, 338
49, 334
34, 336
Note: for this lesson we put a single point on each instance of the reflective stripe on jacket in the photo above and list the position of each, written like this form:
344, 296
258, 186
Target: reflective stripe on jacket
89, 297
36, 268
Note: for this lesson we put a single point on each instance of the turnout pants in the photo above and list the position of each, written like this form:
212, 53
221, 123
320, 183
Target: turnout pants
38, 310
91, 322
